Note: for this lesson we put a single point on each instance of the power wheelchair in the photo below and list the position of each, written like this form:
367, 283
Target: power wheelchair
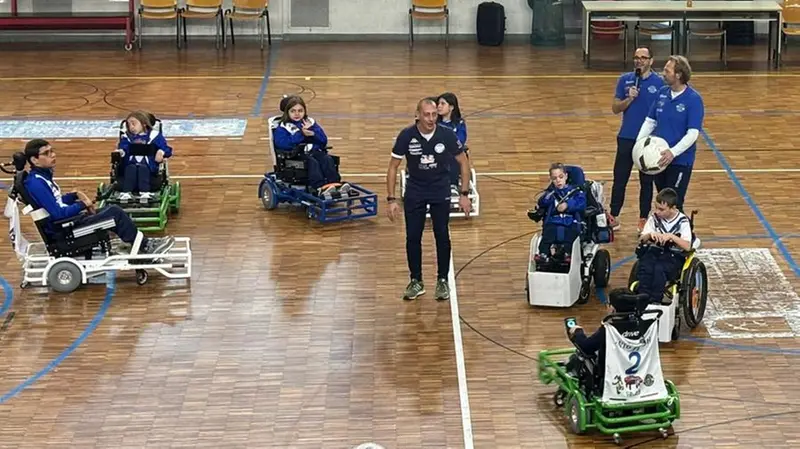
690, 288
563, 281
288, 183
76, 255
455, 194
628, 393
150, 212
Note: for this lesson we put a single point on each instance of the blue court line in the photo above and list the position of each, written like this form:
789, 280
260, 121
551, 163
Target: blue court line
273, 55
8, 298
98, 317
753, 206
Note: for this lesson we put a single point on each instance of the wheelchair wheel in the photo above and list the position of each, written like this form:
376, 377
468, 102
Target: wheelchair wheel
585, 292
268, 194
141, 277
632, 275
576, 416
175, 197
694, 293
602, 268
558, 398
64, 277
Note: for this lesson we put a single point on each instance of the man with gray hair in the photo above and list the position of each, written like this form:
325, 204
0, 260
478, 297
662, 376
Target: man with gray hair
427, 148
676, 117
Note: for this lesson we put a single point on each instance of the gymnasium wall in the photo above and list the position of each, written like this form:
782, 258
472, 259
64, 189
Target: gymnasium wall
339, 18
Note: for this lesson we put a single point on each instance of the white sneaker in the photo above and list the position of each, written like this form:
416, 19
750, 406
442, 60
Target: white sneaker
146, 195
125, 196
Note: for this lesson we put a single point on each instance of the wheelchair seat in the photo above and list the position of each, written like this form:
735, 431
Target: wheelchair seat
159, 181
63, 238
594, 224
291, 167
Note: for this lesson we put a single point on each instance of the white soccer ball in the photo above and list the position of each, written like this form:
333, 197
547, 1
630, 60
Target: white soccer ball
646, 154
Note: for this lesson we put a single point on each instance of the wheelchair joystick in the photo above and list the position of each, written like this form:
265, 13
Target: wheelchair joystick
536, 214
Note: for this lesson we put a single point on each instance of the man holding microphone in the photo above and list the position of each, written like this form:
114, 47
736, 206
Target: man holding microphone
635, 94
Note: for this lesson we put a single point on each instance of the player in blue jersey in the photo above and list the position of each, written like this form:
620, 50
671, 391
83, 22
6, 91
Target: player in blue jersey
636, 93
677, 117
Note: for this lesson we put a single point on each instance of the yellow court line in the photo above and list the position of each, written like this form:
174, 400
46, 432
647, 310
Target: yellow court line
382, 77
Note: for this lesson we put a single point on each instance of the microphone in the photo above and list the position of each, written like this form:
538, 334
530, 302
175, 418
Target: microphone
638, 78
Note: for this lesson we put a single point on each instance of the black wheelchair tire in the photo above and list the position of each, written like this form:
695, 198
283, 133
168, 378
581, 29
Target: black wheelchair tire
676, 330
688, 283
632, 275
267, 194
585, 292
602, 268
527, 288
141, 277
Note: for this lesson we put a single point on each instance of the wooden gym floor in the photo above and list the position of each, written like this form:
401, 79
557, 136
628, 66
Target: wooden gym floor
293, 334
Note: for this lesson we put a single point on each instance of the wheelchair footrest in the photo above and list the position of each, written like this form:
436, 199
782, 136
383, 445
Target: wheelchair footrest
135, 200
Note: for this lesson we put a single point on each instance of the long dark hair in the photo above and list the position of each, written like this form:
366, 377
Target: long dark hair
291, 102
452, 100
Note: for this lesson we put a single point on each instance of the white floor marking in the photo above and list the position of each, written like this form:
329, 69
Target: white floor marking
466, 420
748, 295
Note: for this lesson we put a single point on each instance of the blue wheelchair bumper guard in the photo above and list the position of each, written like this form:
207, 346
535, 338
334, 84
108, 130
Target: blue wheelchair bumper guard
323, 210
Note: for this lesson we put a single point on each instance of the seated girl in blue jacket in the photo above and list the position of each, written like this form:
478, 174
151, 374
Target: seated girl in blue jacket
562, 205
138, 171
450, 117
297, 128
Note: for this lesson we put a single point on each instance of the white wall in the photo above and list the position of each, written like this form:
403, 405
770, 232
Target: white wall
347, 17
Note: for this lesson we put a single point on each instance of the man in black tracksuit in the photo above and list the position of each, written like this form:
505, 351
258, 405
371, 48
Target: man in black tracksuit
427, 148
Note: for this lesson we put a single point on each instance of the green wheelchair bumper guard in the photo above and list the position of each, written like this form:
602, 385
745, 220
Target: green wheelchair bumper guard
152, 219
597, 415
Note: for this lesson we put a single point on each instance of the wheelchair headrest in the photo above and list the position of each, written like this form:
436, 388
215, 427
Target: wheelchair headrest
625, 301
282, 104
19, 187
575, 175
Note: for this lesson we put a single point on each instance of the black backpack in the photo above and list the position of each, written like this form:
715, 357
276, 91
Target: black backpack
491, 23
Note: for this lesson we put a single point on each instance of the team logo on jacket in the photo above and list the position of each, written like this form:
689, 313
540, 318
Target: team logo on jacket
427, 162
439, 148
652, 89
680, 107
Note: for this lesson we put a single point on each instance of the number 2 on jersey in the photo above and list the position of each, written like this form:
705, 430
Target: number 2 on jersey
638, 358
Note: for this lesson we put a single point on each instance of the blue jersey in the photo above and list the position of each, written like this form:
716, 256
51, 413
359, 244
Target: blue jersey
460, 128
427, 161
46, 194
636, 113
675, 116
576, 204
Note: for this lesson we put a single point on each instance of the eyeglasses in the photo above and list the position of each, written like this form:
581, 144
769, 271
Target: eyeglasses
641, 58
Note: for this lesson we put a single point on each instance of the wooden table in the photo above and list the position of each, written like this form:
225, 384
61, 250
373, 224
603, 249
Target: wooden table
769, 11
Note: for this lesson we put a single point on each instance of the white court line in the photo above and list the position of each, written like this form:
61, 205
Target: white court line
383, 175
466, 420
